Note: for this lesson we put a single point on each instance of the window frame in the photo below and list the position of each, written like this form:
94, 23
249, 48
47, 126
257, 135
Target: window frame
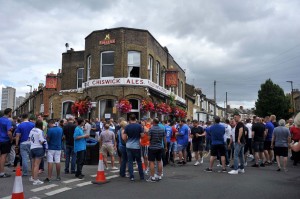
81, 68
101, 66
133, 65
157, 72
150, 68
88, 67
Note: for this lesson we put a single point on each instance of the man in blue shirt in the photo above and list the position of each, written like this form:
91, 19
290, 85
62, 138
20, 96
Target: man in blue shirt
5, 140
168, 129
54, 138
80, 147
182, 141
267, 144
217, 132
132, 134
22, 135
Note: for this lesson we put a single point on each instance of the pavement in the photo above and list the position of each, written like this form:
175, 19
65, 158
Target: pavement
178, 182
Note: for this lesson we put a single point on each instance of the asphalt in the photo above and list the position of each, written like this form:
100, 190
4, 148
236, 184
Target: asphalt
178, 182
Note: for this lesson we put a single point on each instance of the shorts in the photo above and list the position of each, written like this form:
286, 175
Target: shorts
258, 146
37, 153
5, 147
198, 146
173, 147
53, 156
144, 151
218, 149
107, 149
267, 145
181, 147
155, 154
281, 151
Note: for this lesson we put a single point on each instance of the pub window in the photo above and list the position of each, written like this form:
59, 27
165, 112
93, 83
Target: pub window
181, 89
157, 72
106, 107
150, 67
88, 66
107, 64
79, 77
67, 109
134, 63
163, 78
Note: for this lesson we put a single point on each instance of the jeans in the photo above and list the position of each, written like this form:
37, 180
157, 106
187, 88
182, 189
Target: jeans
124, 160
70, 154
80, 161
238, 155
12, 155
134, 155
26, 155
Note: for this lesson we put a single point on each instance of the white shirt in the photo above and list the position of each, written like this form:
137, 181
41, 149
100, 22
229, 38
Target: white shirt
87, 128
249, 126
227, 131
233, 134
36, 137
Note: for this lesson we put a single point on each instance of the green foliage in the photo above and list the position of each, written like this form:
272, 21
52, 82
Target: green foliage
272, 100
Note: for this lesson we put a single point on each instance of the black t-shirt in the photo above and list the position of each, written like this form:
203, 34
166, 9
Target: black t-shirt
68, 130
196, 130
237, 128
259, 131
275, 124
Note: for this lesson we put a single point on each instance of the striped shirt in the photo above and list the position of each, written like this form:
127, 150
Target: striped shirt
156, 135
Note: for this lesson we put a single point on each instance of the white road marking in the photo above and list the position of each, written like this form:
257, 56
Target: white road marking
72, 180
113, 176
44, 187
84, 184
7, 197
93, 176
51, 193
34, 197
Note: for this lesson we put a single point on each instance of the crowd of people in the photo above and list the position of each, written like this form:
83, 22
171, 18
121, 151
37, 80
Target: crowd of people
150, 143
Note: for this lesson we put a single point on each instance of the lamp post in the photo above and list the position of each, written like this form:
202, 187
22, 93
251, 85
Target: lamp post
29, 98
293, 104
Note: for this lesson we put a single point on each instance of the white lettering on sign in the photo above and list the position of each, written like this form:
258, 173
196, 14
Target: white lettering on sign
131, 82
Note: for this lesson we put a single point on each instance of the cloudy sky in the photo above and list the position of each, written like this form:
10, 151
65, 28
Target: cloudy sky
239, 44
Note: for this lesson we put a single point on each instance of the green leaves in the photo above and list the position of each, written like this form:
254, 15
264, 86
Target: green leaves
272, 100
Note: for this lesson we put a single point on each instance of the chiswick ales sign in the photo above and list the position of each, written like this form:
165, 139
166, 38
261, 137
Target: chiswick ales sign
107, 40
129, 82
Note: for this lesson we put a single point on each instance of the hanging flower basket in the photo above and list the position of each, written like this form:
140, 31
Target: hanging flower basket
147, 106
179, 113
124, 106
163, 109
81, 107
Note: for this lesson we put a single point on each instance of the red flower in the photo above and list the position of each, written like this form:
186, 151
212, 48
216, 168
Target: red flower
163, 109
81, 107
124, 106
147, 106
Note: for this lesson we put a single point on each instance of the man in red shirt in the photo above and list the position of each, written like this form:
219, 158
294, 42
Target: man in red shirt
295, 132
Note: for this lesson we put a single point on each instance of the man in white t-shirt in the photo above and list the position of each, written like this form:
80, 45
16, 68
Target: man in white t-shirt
232, 140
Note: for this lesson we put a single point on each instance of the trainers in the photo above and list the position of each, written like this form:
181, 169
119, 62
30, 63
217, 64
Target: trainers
241, 170
47, 180
208, 170
37, 182
262, 165
147, 171
180, 162
5, 175
224, 171
245, 164
58, 178
158, 178
278, 169
196, 163
114, 168
31, 179
80, 176
201, 161
151, 179
219, 165
255, 165
233, 172
132, 179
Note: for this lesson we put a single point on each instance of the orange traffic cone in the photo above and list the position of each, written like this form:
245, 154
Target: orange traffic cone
100, 178
143, 164
18, 185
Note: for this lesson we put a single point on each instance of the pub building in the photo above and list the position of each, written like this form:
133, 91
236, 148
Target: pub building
118, 63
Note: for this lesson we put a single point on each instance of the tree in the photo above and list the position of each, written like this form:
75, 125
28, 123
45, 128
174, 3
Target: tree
272, 101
